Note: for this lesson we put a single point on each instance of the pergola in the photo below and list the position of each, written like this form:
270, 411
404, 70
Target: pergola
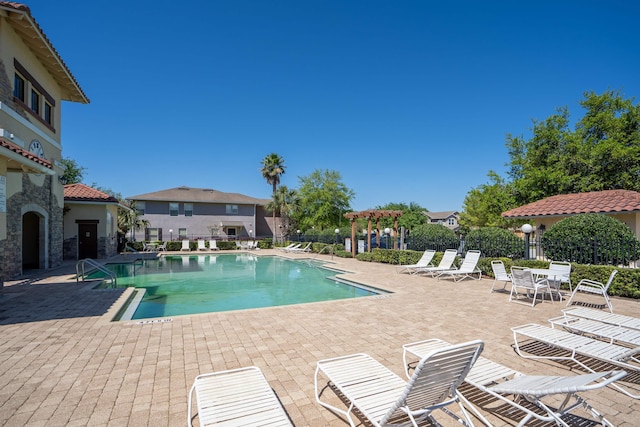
370, 215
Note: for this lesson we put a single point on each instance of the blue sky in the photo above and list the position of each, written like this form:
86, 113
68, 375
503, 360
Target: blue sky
409, 100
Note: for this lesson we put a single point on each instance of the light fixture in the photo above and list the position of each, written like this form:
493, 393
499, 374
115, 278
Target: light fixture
62, 179
387, 230
527, 228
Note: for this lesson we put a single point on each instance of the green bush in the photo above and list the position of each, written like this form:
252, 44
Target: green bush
495, 242
576, 239
433, 236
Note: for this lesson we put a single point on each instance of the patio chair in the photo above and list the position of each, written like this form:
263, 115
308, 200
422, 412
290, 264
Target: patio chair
597, 288
185, 246
468, 268
284, 248
424, 261
162, 247
580, 347
201, 246
611, 333
499, 274
604, 317
522, 280
384, 398
518, 390
562, 272
446, 262
306, 248
213, 245
238, 397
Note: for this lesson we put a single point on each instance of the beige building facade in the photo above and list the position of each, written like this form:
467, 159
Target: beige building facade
34, 81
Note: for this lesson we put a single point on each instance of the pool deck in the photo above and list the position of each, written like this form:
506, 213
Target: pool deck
63, 362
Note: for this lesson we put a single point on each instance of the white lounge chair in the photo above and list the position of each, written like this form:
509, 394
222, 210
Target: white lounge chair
238, 397
424, 261
201, 246
386, 399
502, 382
446, 262
213, 245
499, 274
284, 248
467, 269
579, 345
522, 280
306, 248
185, 246
611, 333
597, 288
293, 248
162, 247
604, 317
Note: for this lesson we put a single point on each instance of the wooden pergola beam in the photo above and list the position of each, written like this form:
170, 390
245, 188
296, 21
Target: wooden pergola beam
369, 215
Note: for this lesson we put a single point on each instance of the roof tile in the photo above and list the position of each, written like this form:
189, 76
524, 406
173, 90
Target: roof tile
84, 193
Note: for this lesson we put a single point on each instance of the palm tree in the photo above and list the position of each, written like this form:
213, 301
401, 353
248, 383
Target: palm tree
272, 169
285, 202
129, 220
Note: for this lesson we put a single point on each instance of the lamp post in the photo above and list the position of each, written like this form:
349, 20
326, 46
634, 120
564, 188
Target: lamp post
387, 232
337, 230
171, 233
298, 235
527, 229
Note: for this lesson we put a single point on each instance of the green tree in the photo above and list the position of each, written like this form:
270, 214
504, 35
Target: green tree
73, 173
272, 169
433, 236
285, 202
323, 199
601, 153
484, 204
130, 219
412, 215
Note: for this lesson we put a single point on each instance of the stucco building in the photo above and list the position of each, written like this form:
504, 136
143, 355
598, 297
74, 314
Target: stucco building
34, 81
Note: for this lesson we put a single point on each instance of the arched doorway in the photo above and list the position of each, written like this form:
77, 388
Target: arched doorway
31, 240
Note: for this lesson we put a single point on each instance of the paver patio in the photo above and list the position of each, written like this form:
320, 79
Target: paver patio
64, 363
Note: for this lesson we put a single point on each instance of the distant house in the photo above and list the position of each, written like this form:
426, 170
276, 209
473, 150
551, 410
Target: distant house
448, 218
34, 82
90, 223
623, 205
192, 213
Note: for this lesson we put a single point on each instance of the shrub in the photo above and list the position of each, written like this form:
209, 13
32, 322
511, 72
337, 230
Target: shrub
433, 236
495, 242
591, 239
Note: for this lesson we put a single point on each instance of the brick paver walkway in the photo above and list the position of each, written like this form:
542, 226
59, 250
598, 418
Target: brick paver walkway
64, 363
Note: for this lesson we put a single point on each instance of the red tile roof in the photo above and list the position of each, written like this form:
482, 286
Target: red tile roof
84, 193
25, 153
608, 201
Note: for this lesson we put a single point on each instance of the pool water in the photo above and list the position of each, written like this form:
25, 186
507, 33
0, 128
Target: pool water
177, 285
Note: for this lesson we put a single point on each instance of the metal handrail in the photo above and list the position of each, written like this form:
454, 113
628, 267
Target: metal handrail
80, 270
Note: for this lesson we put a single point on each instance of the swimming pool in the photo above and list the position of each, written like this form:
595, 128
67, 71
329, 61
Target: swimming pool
177, 285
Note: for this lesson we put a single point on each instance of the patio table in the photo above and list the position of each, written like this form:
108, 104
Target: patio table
551, 276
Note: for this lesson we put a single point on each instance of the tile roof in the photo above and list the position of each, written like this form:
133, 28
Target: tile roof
25, 153
84, 193
608, 201
441, 215
199, 195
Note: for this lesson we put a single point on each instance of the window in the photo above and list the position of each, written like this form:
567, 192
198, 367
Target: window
231, 231
48, 113
182, 233
452, 221
35, 102
19, 88
140, 207
173, 209
188, 209
152, 234
232, 209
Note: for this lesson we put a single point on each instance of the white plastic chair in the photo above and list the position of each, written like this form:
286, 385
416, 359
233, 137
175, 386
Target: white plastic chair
522, 279
213, 245
424, 261
201, 246
500, 274
593, 287
185, 245
446, 262
467, 269
561, 271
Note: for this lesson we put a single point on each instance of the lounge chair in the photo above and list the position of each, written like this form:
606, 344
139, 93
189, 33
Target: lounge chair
604, 317
201, 246
307, 248
499, 274
611, 333
467, 269
502, 382
185, 246
446, 262
293, 248
561, 273
424, 261
238, 397
213, 245
579, 345
384, 398
597, 288
522, 280
284, 248
162, 247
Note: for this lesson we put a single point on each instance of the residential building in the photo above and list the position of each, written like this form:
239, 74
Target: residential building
34, 81
447, 218
623, 205
90, 223
192, 213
